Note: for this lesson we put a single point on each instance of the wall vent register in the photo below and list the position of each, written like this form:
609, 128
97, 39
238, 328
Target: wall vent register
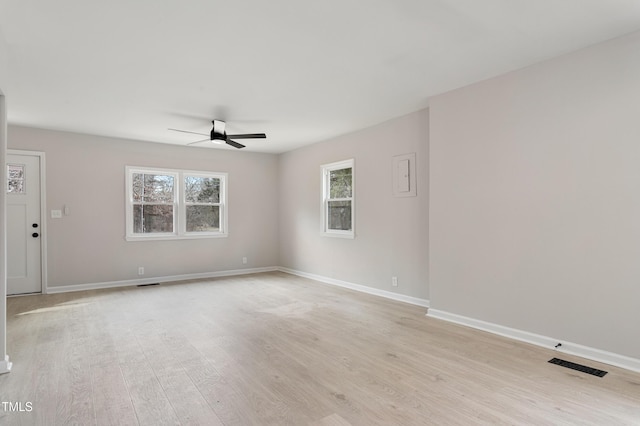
578, 367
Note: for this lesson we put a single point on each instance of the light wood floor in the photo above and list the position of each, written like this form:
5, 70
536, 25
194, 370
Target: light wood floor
274, 349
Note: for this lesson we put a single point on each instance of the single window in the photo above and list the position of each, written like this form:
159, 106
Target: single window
338, 199
175, 204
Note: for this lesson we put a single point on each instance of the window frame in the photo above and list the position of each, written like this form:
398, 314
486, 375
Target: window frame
325, 170
179, 203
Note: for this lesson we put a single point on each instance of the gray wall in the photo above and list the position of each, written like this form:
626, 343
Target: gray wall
87, 174
535, 198
274, 209
3, 149
391, 233
527, 213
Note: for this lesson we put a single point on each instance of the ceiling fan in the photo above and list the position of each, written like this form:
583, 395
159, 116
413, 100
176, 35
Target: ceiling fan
219, 135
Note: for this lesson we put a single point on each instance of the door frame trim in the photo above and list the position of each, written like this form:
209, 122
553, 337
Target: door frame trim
43, 212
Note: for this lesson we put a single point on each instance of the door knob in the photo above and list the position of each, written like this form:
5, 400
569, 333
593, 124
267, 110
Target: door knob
35, 225
35, 235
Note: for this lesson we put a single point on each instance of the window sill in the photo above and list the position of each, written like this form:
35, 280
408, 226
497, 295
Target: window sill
348, 235
174, 237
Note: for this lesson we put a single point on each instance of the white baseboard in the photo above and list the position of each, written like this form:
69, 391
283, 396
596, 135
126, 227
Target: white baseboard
357, 287
205, 275
5, 365
570, 348
153, 280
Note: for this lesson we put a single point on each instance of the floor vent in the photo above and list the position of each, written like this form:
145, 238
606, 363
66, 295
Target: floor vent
147, 285
579, 367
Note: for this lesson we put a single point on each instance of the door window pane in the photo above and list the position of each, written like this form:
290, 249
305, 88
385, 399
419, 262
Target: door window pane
15, 178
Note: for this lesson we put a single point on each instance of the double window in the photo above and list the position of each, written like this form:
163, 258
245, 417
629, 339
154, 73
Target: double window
338, 199
175, 204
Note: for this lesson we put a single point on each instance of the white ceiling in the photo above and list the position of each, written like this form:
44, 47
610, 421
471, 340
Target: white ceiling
300, 71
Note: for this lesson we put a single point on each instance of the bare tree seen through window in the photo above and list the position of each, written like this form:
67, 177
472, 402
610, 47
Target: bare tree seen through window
339, 203
153, 203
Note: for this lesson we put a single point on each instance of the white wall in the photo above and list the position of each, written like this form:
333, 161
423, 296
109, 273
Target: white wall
4, 366
4, 63
535, 199
87, 174
391, 233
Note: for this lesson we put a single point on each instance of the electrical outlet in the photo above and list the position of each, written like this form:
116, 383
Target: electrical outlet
141, 270
244, 260
394, 281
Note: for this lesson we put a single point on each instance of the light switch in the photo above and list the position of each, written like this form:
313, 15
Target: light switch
56, 214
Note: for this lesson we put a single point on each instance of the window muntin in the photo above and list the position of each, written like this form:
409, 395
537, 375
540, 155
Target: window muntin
338, 199
175, 204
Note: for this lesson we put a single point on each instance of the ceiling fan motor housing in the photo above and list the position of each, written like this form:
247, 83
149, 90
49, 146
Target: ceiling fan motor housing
218, 137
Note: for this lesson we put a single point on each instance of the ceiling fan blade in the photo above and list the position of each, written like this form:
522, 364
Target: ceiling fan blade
186, 131
234, 143
203, 140
248, 136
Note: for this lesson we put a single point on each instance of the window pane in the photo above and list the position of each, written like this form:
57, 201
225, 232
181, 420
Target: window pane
15, 178
203, 218
340, 183
149, 219
138, 179
152, 188
340, 215
201, 189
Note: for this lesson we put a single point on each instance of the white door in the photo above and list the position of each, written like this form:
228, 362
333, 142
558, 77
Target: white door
24, 248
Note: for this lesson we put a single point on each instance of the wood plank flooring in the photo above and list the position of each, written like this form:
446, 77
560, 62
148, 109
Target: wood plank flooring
275, 349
